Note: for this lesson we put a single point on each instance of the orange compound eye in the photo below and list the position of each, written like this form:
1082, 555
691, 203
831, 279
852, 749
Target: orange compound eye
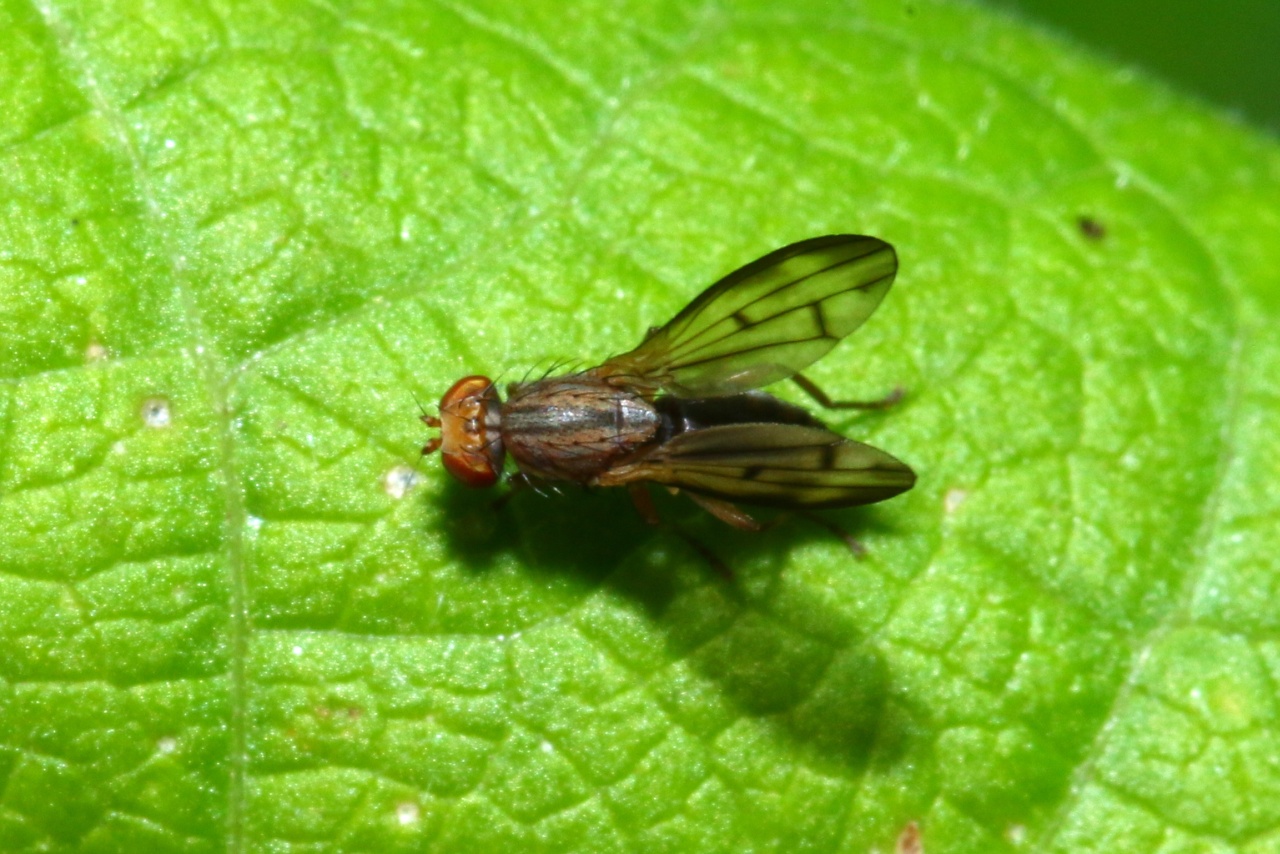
470, 438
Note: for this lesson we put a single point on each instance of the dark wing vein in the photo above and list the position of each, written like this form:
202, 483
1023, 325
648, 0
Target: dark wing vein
786, 465
744, 320
767, 320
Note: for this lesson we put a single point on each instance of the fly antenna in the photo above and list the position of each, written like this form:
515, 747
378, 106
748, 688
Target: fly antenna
433, 444
425, 417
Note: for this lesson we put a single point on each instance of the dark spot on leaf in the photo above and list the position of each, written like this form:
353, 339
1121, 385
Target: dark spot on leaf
909, 841
1091, 228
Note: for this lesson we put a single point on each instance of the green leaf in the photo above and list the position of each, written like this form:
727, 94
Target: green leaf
238, 239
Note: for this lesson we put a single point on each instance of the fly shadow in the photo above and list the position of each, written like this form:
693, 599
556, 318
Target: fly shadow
775, 650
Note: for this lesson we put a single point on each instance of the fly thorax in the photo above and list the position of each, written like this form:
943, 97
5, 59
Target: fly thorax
575, 428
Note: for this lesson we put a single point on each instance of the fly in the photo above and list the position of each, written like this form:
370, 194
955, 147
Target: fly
683, 410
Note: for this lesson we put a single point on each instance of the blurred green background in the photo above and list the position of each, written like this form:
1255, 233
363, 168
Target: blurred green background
1227, 52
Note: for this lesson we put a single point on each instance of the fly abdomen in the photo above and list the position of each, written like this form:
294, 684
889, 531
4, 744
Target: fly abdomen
575, 428
681, 414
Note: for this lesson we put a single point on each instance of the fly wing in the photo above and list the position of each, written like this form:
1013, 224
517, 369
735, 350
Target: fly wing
766, 321
783, 465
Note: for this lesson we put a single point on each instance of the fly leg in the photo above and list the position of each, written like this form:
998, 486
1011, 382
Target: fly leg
839, 533
731, 514
721, 568
643, 501
824, 400
726, 512
516, 483
844, 536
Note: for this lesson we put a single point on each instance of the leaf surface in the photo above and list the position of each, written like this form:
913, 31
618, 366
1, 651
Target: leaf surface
238, 239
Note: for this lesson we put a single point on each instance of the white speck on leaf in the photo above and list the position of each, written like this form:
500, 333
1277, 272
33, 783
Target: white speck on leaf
954, 499
399, 480
407, 813
155, 412
167, 745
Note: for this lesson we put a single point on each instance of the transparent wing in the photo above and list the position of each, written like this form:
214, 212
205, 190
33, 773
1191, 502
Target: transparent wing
784, 465
766, 321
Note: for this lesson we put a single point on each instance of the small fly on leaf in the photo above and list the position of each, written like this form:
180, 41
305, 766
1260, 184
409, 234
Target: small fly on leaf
683, 409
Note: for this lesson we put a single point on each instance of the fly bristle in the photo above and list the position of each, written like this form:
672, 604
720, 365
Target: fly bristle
557, 367
551, 369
